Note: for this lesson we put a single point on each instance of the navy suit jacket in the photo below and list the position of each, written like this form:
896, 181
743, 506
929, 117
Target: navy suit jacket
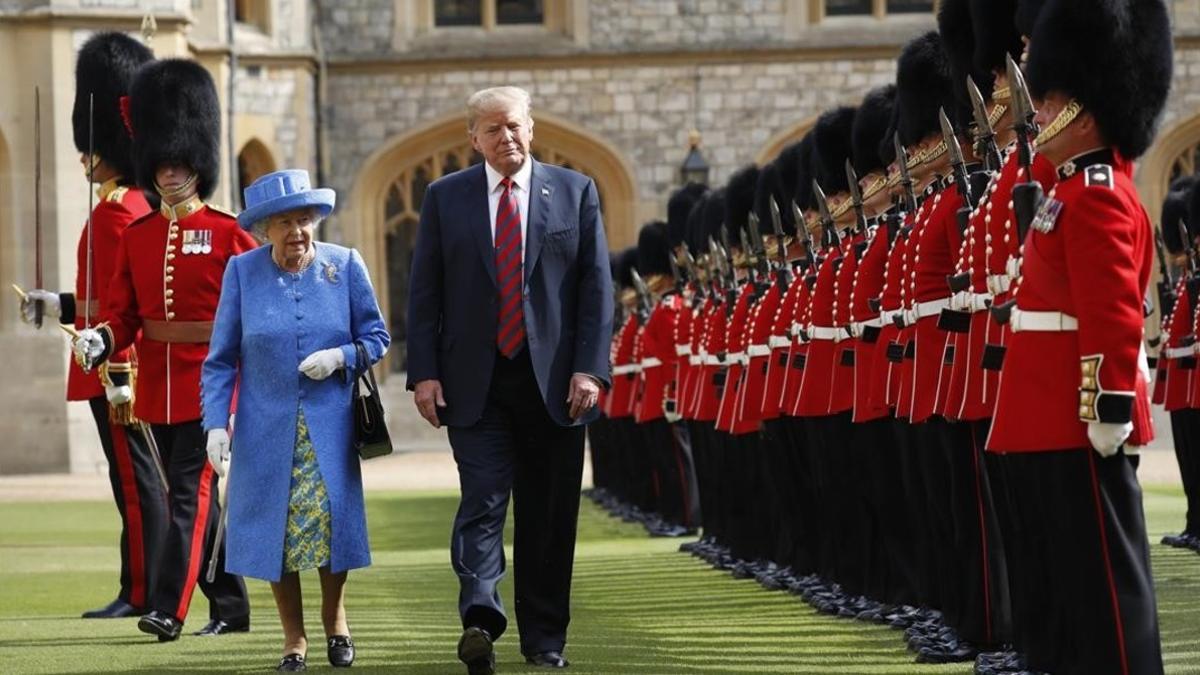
453, 297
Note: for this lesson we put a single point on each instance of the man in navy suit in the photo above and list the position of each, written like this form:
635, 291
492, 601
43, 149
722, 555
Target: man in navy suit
509, 323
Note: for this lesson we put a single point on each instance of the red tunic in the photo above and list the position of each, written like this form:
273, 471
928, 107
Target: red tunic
1094, 264
907, 336
749, 411
885, 371
690, 398
682, 340
1181, 370
735, 345
116, 209
624, 371
798, 351
658, 358
157, 278
780, 342
712, 352
816, 387
841, 396
867, 328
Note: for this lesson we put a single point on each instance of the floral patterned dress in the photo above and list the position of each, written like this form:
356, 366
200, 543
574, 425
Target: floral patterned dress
306, 542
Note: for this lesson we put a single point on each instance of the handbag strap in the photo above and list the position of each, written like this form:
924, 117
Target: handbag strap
368, 373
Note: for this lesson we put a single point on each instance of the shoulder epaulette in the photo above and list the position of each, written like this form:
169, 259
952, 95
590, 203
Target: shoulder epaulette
118, 194
222, 210
1098, 175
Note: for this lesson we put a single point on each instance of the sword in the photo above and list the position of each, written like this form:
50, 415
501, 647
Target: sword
39, 308
219, 536
158, 461
87, 306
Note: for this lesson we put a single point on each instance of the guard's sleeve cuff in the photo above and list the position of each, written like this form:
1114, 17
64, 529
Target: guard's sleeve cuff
1098, 405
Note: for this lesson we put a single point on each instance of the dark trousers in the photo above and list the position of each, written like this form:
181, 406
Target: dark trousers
141, 500
1085, 549
669, 471
1185, 428
194, 514
516, 448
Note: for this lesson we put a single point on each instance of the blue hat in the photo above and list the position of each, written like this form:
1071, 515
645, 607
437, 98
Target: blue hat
282, 191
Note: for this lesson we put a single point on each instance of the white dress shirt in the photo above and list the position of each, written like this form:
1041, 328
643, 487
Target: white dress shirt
520, 190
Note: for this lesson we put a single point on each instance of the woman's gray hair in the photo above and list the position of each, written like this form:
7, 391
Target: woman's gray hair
259, 228
497, 98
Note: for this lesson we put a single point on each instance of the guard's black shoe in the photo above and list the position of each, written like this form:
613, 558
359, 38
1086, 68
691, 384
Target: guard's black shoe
117, 609
951, 653
475, 649
550, 659
221, 627
292, 663
165, 626
341, 651
1175, 540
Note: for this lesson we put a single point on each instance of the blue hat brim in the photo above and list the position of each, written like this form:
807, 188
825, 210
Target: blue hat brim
322, 198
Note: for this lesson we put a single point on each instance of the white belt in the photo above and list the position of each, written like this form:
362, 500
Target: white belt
856, 328
888, 316
977, 302
758, 350
1044, 322
923, 310
695, 360
1013, 267
651, 362
713, 360
737, 357
777, 341
625, 369
797, 329
999, 283
683, 350
1180, 352
825, 333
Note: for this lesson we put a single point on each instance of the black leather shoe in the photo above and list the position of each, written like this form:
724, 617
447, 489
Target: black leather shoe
221, 627
341, 651
475, 649
292, 663
551, 659
117, 609
1174, 540
949, 653
165, 626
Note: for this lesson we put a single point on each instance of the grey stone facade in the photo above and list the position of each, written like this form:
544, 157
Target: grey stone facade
356, 27
273, 93
671, 24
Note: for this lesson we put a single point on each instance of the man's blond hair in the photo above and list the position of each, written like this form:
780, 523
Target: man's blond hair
497, 98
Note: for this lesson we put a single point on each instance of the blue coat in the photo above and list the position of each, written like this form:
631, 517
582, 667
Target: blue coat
452, 310
267, 322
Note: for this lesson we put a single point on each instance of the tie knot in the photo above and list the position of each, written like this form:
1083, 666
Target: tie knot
506, 182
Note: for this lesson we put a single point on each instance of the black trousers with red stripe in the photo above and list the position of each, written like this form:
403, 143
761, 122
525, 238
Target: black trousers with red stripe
1084, 542
194, 515
1185, 429
141, 500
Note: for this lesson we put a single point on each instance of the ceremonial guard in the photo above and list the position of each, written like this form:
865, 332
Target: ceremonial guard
1075, 362
162, 298
103, 74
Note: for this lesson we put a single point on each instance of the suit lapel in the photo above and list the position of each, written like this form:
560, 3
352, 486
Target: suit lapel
481, 218
541, 192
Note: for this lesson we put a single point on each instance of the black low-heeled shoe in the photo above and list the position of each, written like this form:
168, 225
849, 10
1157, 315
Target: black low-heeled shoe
341, 651
292, 663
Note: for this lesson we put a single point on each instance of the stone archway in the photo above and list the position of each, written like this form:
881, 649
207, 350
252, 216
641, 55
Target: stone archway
1174, 153
385, 203
783, 138
254, 161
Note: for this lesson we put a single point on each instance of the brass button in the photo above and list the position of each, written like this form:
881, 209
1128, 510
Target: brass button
171, 247
169, 302
170, 315
170, 256
170, 268
169, 278
172, 237
170, 292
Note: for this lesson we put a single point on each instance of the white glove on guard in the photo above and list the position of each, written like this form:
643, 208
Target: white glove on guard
1107, 437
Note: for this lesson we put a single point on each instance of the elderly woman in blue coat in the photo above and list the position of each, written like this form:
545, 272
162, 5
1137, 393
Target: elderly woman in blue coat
284, 337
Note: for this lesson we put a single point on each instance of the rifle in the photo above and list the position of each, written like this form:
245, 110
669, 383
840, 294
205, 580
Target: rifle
1193, 271
906, 181
1166, 281
1027, 197
985, 136
645, 302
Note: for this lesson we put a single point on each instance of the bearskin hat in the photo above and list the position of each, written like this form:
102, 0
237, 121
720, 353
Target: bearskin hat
887, 144
176, 118
653, 249
697, 235
770, 187
626, 261
956, 27
922, 87
1190, 189
739, 199
678, 207
1026, 17
804, 172
832, 146
714, 216
105, 69
996, 37
1175, 208
790, 165
1112, 56
870, 128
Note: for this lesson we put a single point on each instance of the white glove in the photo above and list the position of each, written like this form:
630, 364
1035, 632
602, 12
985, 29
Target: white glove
50, 304
119, 395
218, 451
320, 365
1107, 437
88, 347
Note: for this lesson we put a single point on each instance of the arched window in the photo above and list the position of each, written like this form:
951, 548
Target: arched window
254, 161
1186, 163
385, 207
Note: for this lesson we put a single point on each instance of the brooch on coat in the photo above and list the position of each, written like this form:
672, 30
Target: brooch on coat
1046, 216
196, 242
331, 273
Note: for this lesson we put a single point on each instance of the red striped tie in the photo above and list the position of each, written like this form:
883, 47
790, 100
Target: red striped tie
510, 333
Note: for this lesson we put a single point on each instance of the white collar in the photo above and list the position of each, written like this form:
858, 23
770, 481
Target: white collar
521, 178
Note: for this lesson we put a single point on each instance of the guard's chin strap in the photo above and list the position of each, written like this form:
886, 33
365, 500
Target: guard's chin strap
187, 185
1060, 122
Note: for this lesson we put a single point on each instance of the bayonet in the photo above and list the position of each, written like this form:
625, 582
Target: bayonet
802, 233
1027, 197
906, 182
959, 167
985, 136
856, 198
643, 294
830, 233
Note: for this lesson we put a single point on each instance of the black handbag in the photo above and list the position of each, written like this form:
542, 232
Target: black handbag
371, 437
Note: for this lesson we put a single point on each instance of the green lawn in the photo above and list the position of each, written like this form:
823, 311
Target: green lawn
639, 606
